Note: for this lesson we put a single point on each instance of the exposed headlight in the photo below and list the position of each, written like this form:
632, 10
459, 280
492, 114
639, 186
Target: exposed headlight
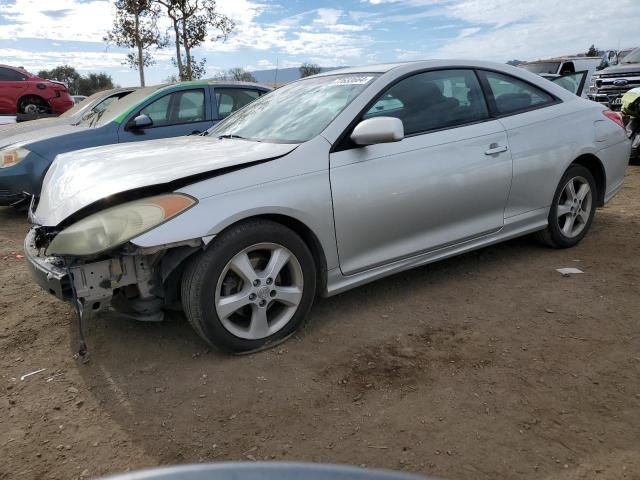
12, 156
116, 225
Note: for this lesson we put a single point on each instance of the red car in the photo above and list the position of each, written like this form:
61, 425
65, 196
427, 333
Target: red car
22, 92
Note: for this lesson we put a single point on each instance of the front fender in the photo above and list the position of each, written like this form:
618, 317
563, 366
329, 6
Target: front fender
306, 199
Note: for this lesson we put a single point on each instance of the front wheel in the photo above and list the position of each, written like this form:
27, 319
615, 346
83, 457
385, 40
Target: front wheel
573, 208
252, 288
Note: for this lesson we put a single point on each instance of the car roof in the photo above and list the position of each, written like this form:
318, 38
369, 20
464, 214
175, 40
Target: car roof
376, 68
220, 83
17, 69
418, 65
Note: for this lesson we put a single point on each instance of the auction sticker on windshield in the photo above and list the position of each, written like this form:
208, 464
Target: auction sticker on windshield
352, 80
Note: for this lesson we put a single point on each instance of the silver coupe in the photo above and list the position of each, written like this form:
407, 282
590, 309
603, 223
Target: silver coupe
320, 186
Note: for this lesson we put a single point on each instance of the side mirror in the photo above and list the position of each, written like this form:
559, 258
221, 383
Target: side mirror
140, 122
378, 130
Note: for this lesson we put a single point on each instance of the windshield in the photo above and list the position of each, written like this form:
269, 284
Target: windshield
633, 57
81, 105
296, 112
541, 67
100, 117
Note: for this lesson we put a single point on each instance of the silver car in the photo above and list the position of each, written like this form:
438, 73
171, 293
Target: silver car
318, 187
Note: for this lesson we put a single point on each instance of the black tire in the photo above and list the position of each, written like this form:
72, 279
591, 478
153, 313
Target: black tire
203, 271
553, 235
33, 105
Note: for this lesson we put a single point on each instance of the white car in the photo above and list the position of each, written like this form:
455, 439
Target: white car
320, 186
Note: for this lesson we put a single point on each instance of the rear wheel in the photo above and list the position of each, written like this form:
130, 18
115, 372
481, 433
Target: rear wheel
33, 105
573, 208
252, 288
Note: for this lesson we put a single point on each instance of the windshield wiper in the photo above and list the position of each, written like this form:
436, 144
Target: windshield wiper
96, 118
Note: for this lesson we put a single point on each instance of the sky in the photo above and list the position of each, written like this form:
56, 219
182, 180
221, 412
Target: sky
41, 34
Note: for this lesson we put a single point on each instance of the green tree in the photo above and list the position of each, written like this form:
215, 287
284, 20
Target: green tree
65, 74
95, 82
240, 75
76, 83
308, 69
592, 52
192, 20
136, 27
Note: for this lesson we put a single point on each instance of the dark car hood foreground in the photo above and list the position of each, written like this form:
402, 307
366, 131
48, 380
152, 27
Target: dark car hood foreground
78, 179
10, 129
25, 135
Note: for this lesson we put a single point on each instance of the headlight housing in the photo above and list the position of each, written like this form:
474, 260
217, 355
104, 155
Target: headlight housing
12, 156
114, 226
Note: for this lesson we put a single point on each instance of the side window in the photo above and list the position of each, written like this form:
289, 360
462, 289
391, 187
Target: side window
8, 75
231, 99
158, 111
567, 67
178, 107
190, 107
433, 100
512, 95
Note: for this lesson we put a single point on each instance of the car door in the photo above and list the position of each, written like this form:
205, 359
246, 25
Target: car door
174, 114
446, 182
12, 85
230, 99
537, 129
574, 82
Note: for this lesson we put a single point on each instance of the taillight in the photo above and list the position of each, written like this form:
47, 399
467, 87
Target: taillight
614, 117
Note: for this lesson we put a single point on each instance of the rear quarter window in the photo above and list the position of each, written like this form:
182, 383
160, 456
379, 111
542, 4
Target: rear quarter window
511, 95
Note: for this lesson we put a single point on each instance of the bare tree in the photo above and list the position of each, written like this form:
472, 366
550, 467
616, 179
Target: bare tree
308, 69
171, 7
135, 26
192, 20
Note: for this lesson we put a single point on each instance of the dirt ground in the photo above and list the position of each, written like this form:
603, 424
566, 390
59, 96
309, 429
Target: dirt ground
490, 365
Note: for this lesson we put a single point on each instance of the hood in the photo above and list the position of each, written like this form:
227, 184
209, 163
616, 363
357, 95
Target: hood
9, 129
621, 68
25, 136
78, 179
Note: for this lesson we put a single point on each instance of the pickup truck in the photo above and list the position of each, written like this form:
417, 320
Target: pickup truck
607, 86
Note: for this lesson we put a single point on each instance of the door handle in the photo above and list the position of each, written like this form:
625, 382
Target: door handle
494, 149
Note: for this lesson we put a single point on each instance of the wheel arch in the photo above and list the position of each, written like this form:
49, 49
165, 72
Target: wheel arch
308, 237
172, 280
594, 165
31, 95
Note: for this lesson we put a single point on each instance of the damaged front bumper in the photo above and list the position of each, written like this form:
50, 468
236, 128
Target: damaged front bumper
96, 282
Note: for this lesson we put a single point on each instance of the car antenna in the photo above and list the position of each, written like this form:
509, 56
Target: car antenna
82, 348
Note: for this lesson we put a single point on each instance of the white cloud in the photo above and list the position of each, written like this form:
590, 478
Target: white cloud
524, 31
323, 35
34, 61
79, 21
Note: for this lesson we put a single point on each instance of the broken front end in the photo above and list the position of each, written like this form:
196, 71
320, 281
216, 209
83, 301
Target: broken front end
92, 263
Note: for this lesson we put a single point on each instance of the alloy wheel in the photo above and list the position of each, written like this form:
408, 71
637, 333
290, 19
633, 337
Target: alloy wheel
574, 207
31, 108
259, 291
